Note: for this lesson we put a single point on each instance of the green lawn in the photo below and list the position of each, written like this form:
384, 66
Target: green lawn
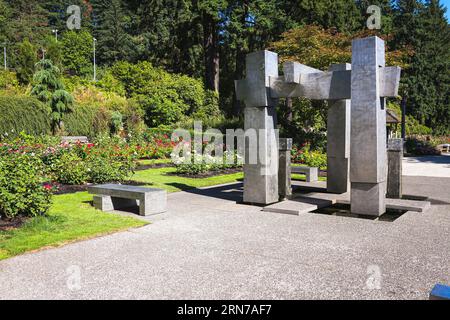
70, 218
161, 178
150, 162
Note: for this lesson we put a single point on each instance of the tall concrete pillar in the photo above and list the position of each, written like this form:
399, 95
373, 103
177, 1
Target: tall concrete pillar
368, 170
284, 171
394, 178
338, 141
260, 124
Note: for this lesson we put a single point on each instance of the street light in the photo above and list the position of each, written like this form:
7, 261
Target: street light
55, 31
43, 53
95, 69
4, 55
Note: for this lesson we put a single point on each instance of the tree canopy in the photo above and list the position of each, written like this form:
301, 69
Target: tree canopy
208, 40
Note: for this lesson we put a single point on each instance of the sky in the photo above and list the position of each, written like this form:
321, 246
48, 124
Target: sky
446, 3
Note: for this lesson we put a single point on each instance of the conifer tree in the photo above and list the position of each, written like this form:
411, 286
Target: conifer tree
48, 88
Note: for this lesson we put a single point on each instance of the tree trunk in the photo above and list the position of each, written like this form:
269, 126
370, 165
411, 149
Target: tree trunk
289, 110
240, 61
210, 44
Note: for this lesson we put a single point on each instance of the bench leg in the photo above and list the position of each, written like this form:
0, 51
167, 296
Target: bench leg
153, 203
313, 175
103, 203
108, 203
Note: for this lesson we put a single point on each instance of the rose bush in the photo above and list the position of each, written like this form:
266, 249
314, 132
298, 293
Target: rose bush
22, 189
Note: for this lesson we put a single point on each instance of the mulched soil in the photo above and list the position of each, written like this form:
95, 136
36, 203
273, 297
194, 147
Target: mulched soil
13, 223
65, 188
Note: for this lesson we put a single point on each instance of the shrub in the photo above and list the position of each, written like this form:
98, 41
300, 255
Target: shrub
420, 146
198, 163
413, 126
21, 186
80, 122
103, 170
166, 98
116, 122
76, 52
23, 113
304, 155
70, 169
8, 80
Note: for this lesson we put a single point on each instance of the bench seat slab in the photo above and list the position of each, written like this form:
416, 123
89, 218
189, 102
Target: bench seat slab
110, 197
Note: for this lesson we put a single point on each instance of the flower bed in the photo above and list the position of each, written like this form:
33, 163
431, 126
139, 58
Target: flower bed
196, 164
33, 167
303, 155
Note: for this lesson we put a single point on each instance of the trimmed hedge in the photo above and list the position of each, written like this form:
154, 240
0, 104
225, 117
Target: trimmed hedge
24, 113
86, 120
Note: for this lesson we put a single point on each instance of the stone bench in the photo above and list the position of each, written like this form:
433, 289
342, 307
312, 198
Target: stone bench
444, 147
312, 173
108, 197
82, 139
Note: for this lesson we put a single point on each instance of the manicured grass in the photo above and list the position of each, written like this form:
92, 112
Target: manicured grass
162, 178
150, 162
70, 218
302, 177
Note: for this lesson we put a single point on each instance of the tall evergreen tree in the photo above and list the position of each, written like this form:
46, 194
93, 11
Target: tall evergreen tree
111, 25
427, 79
26, 58
48, 87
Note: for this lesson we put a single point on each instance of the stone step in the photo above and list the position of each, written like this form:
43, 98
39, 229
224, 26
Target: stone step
402, 204
298, 205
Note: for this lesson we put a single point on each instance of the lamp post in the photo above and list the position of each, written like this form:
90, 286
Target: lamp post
55, 31
4, 55
95, 68
43, 53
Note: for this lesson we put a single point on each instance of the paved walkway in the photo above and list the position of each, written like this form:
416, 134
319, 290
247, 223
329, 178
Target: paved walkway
429, 166
209, 247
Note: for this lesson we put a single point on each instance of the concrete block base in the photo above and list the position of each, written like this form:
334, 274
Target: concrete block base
311, 173
284, 170
153, 202
261, 178
108, 203
338, 175
394, 177
368, 198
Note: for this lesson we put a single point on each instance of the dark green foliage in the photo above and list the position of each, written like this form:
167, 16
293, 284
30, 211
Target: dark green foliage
208, 40
165, 98
25, 61
23, 113
116, 122
77, 52
48, 88
80, 122
114, 43
427, 80
420, 147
